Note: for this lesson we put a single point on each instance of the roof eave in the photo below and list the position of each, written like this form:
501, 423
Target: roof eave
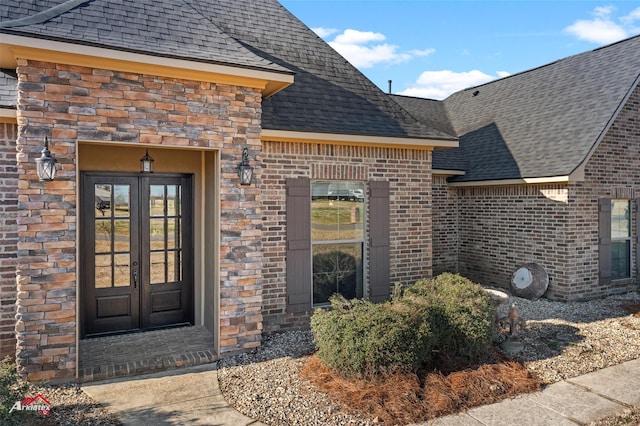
356, 139
519, 181
269, 82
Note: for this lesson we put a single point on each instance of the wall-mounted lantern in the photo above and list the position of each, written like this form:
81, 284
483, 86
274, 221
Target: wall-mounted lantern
245, 171
46, 164
146, 163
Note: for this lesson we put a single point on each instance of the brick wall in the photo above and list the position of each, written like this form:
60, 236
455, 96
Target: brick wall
408, 172
553, 225
445, 227
8, 237
70, 103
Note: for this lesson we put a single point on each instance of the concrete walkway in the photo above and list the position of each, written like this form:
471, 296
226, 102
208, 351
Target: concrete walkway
192, 396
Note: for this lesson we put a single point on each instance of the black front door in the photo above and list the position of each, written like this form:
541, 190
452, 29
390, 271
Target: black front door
137, 252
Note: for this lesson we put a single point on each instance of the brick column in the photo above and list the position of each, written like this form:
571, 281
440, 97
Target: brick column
8, 238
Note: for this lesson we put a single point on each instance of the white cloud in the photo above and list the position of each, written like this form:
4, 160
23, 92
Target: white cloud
324, 32
440, 84
365, 49
603, 29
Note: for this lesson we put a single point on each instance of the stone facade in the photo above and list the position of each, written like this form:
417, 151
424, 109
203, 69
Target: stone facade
501, 227
409, 174
71, 104
8, 237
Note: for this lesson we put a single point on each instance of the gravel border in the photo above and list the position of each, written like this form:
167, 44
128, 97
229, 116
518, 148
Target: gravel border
562, 340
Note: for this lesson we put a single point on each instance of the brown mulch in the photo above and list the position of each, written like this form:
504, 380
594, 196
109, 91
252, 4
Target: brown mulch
632, 308
403, 398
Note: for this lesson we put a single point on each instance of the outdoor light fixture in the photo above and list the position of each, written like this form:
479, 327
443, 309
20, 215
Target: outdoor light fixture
46, 164
245, 171
146, 163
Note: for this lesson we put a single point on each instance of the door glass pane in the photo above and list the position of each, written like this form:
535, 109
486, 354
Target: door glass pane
157, 237
156, 200
103, 236
121, 270
122, 200
173, 237
102, 200
103, 275
173, 200
174, 266
157, 267
122, 236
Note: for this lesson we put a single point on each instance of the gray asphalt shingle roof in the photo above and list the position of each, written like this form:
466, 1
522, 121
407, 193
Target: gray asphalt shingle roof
538, 123
328, 95
169, 28
8, 88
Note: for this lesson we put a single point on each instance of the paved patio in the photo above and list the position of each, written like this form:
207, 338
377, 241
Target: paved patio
144, 352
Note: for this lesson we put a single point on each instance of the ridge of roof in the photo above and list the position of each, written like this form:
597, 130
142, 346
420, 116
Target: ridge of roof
43, 16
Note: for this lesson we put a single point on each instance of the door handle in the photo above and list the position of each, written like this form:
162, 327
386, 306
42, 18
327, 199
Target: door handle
135, 274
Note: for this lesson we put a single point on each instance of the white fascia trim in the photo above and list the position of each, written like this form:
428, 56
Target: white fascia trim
8, 112
100, 52
524, 181
448, 172
293, 136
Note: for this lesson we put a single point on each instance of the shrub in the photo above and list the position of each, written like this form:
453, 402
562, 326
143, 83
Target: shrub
461, 313
359, 338
449, 315
12, 389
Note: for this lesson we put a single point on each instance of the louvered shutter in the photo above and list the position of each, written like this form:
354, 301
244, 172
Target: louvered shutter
298, 244
379, 271
604, 244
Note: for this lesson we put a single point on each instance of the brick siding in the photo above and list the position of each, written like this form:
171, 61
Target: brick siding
8, 237
71, 103
409, 174
445, 227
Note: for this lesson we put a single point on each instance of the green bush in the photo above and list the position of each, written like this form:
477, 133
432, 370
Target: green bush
461, 313
359, 338
446, 315
12, 389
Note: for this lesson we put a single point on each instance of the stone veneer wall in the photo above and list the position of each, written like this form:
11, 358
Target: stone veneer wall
553, 225
409, 174
71, 103
8, 237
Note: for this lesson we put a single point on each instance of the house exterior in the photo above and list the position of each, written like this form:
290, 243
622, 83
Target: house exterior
546, 173
107, 248
352, 189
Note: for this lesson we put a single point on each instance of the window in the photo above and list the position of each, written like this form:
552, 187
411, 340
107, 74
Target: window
620, 239
337, 238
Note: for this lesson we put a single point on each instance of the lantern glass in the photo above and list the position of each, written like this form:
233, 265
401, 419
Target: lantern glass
146, 163
46, 164
246, 174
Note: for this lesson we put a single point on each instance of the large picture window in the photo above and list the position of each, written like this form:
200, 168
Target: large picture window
337, 237
620, 239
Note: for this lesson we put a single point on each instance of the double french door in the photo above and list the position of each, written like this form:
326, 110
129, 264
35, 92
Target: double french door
136, 251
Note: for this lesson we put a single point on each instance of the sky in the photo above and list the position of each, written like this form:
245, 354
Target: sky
432, 48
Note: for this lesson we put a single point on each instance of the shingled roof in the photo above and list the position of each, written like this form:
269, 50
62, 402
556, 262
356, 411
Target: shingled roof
329, 95
540, 123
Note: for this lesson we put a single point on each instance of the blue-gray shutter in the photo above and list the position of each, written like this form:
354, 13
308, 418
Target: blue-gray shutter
604, 240
298, 244
379, 271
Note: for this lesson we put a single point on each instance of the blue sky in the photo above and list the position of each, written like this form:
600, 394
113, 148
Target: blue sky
434, 48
